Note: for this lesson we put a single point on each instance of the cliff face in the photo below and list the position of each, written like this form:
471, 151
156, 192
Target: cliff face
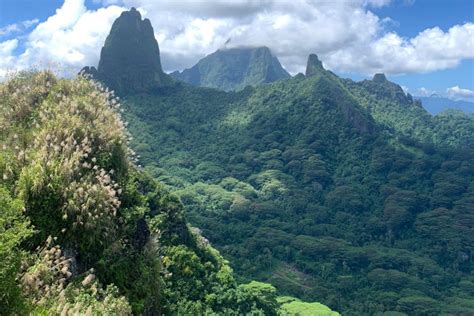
313, 66
130, 59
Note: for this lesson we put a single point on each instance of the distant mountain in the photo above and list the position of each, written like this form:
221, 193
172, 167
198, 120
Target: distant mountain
435, 104
234, 69
130, 59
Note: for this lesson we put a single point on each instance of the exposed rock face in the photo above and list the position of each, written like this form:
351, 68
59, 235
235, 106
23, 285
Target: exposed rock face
313, 66
380, 78
234, 69
130, 59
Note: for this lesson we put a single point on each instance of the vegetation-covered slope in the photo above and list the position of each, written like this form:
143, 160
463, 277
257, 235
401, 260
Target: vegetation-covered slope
323, 187
345, 192
84, 231
406, 117
234, 69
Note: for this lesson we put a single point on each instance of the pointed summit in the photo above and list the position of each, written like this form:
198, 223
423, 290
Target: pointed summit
130, 59
313, 66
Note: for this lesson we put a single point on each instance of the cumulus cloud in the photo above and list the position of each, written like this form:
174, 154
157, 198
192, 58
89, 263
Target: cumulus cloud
68, 40
430, 50
346, 34
6, 56
459, 93
292, 30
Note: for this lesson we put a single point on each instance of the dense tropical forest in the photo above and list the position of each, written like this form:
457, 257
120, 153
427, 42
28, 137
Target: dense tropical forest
181, 200
323, 188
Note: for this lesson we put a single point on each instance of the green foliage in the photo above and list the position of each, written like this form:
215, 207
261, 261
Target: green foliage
14, 228
293, 306
107, 239
321, 186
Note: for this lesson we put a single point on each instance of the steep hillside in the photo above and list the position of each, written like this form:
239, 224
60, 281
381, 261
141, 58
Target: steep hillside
234, 69
85, 231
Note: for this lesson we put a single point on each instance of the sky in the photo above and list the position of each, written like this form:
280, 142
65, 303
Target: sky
426, 46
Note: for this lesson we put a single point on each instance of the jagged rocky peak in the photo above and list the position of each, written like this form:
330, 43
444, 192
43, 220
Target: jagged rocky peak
314, 65
380, 77
385, 89
130, 59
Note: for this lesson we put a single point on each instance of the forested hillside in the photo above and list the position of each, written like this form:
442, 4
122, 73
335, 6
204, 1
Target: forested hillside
84, 230
300, 184
344, 192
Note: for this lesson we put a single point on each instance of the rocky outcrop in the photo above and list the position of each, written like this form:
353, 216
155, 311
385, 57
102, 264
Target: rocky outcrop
130, 59
313, 66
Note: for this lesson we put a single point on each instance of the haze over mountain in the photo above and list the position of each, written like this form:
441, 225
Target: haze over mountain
437, 104
234, 69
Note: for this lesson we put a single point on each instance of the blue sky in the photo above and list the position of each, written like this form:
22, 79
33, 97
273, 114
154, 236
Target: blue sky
425, 46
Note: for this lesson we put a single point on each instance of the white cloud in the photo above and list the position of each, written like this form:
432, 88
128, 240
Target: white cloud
68, 40
17, 27
424, 92
459, 93
6, 56
429, 51
346, 35
292, 30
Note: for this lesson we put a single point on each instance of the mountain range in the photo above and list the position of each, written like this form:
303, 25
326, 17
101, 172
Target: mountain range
437, 104
313, 186
330, 189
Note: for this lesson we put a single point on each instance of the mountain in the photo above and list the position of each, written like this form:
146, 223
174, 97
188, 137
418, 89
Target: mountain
234, 69
348, 193
332, 190
130, 59
436, 105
